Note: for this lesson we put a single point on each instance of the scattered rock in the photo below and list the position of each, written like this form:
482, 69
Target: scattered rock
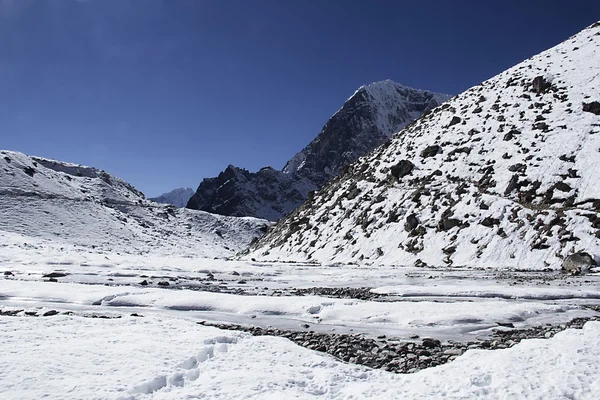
163, 283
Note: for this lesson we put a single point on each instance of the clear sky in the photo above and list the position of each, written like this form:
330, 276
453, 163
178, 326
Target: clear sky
164, 93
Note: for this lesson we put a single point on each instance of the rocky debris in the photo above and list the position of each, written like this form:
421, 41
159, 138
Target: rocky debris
163, 283
360, 293
401, 356
578, 263
8, 273
52, 313
593, 107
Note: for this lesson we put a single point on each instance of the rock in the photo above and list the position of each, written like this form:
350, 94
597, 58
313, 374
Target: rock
448, 223
431, 151
403, 168
163, 283
55, 275
50, 313
489, 222
563, 187
453, 352
144, 283
455, 120
578, 262
29, 171
540, 85
136, 315
8, 273
411, 222
431, 343
593, 107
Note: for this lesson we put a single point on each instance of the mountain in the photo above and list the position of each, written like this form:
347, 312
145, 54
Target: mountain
176, 197
366, 120
503, 175
91, 210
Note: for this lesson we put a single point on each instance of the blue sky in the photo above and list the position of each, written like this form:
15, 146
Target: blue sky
165, 93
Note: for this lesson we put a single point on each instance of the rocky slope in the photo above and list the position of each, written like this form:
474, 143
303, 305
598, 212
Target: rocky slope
503, 175
87, 208
176, 197
367, 119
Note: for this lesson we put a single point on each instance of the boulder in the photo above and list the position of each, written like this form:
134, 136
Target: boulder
402, 169
577, 263
593, 107
540, 85
431, 151
411, 222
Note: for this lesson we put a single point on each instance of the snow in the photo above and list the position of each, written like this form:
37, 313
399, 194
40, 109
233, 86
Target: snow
133, 358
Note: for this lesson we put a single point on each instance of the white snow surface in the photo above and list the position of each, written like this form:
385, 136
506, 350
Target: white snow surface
515, 174
85, 208
73, 357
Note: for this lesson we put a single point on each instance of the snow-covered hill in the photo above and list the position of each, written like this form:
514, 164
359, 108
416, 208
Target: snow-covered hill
366, 120
176, 197
86, 208
503, 175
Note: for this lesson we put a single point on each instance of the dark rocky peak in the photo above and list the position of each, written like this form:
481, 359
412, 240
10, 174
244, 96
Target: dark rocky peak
366, 120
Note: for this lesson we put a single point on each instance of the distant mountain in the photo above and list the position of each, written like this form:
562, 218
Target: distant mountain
367, 119
503, 175
95, 211
176, 197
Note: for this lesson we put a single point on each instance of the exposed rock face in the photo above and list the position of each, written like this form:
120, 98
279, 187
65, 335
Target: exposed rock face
578, 262
366, 120
504, 174
176, 197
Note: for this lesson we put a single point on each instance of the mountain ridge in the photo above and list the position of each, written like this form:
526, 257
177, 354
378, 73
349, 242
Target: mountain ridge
367, 119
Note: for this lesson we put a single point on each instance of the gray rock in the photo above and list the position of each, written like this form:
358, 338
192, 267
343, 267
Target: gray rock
578, 262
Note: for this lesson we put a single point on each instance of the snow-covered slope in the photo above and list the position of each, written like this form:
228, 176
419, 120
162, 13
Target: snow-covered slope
504, 174
176, 197
89, 209
367, 119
